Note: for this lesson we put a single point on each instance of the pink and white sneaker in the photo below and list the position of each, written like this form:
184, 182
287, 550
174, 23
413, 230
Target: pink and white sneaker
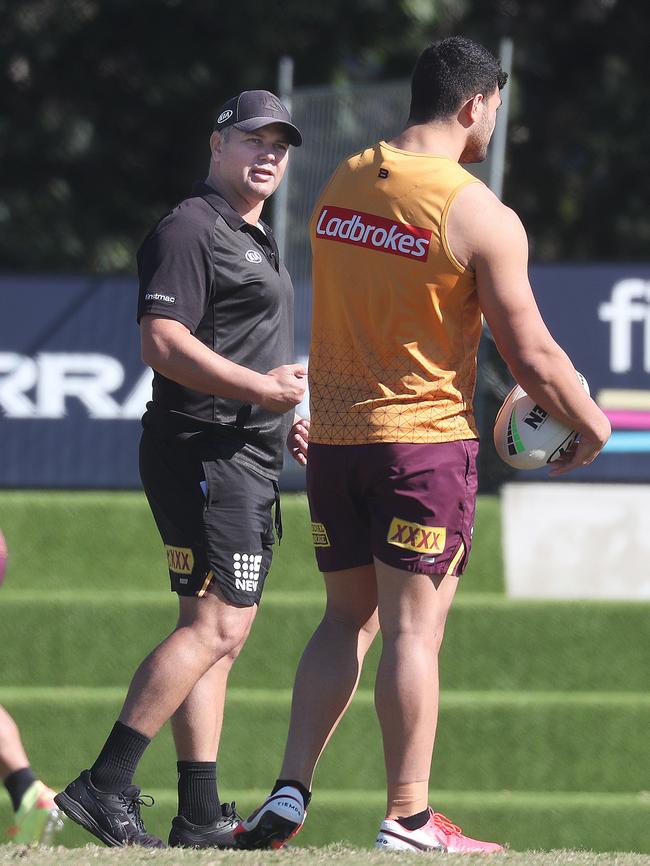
276, 821
438, 834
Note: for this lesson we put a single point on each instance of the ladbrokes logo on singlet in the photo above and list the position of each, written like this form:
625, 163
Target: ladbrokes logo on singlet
373, 232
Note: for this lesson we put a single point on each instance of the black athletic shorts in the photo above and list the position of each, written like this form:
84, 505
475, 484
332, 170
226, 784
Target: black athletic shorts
215, 516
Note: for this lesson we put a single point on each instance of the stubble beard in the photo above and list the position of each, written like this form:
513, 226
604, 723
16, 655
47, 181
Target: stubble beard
476, 149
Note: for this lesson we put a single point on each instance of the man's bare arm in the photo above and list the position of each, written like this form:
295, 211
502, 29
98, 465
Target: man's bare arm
169, 347
492, 240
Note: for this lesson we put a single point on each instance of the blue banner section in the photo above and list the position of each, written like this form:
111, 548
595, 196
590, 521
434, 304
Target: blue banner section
600, 314
73, 387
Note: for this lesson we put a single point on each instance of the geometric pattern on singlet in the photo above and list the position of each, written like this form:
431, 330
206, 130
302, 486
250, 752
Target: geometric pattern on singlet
343, 415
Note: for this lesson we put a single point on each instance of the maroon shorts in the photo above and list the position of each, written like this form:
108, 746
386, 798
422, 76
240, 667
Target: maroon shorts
409, 505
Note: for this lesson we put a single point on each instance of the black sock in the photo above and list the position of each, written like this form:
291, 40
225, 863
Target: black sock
17, 783
198, 800
116, 763
282, 783
414, 822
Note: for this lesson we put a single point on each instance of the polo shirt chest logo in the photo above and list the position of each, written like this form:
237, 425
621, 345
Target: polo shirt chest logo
253, 256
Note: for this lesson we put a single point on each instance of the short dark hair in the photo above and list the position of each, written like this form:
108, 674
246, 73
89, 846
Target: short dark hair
450, 72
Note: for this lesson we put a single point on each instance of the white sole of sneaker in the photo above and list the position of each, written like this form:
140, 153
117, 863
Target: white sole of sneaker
391, 842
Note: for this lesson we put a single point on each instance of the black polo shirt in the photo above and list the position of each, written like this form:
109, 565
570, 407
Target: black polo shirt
205, 266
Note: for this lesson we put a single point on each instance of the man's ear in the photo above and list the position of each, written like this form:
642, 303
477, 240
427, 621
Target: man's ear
471, 110
216, 142
475, 106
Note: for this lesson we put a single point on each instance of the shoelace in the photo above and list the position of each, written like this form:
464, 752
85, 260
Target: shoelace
229, 810
446, 825
133, 808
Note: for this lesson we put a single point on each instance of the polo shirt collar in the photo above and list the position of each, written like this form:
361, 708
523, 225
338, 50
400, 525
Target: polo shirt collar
219, 203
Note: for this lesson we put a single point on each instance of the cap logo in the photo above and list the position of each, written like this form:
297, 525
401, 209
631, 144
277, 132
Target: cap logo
253, 256
224, 116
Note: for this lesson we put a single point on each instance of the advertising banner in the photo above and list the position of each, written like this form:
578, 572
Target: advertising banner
73, 387
600, 314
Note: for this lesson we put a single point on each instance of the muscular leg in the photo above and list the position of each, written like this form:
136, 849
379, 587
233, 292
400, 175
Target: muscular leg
12, 752
412, 613
329, 669
208, 630
196, 726
197, 723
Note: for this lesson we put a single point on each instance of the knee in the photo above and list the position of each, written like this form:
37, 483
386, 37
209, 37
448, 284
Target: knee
233, 653
228, 642
220, 640
362, 622
427, 636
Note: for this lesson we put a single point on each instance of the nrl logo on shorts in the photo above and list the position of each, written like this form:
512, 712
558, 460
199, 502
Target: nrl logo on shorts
180, 559
414, 536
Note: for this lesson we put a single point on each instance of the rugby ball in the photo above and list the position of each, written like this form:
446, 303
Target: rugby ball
3, 557
526, 436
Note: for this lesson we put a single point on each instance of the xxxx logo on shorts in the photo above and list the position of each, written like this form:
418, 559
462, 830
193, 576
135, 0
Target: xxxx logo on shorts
414, 536
180, 559
319, 535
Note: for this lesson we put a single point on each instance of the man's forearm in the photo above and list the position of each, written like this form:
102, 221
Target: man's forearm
179, 356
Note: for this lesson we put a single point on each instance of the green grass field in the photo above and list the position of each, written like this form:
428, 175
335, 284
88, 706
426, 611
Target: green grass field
332, 855
108, 541
545, 708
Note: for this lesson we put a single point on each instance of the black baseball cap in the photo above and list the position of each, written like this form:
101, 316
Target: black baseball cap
253, 109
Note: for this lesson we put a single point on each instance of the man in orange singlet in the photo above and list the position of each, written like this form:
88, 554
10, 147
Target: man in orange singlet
409, 251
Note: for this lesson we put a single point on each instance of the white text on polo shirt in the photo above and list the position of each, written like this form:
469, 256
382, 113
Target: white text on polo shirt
157, 296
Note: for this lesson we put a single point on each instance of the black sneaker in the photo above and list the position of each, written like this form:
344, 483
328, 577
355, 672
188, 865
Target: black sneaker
113, 818
276, 821
184, 834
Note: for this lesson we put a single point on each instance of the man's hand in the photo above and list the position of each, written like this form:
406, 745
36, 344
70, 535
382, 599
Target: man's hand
284, 388
298, 440
584, 452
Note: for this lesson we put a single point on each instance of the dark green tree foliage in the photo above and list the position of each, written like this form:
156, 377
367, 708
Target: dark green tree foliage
106, 108
580, 129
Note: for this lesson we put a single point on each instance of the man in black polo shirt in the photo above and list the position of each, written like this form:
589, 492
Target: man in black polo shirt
216, 321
